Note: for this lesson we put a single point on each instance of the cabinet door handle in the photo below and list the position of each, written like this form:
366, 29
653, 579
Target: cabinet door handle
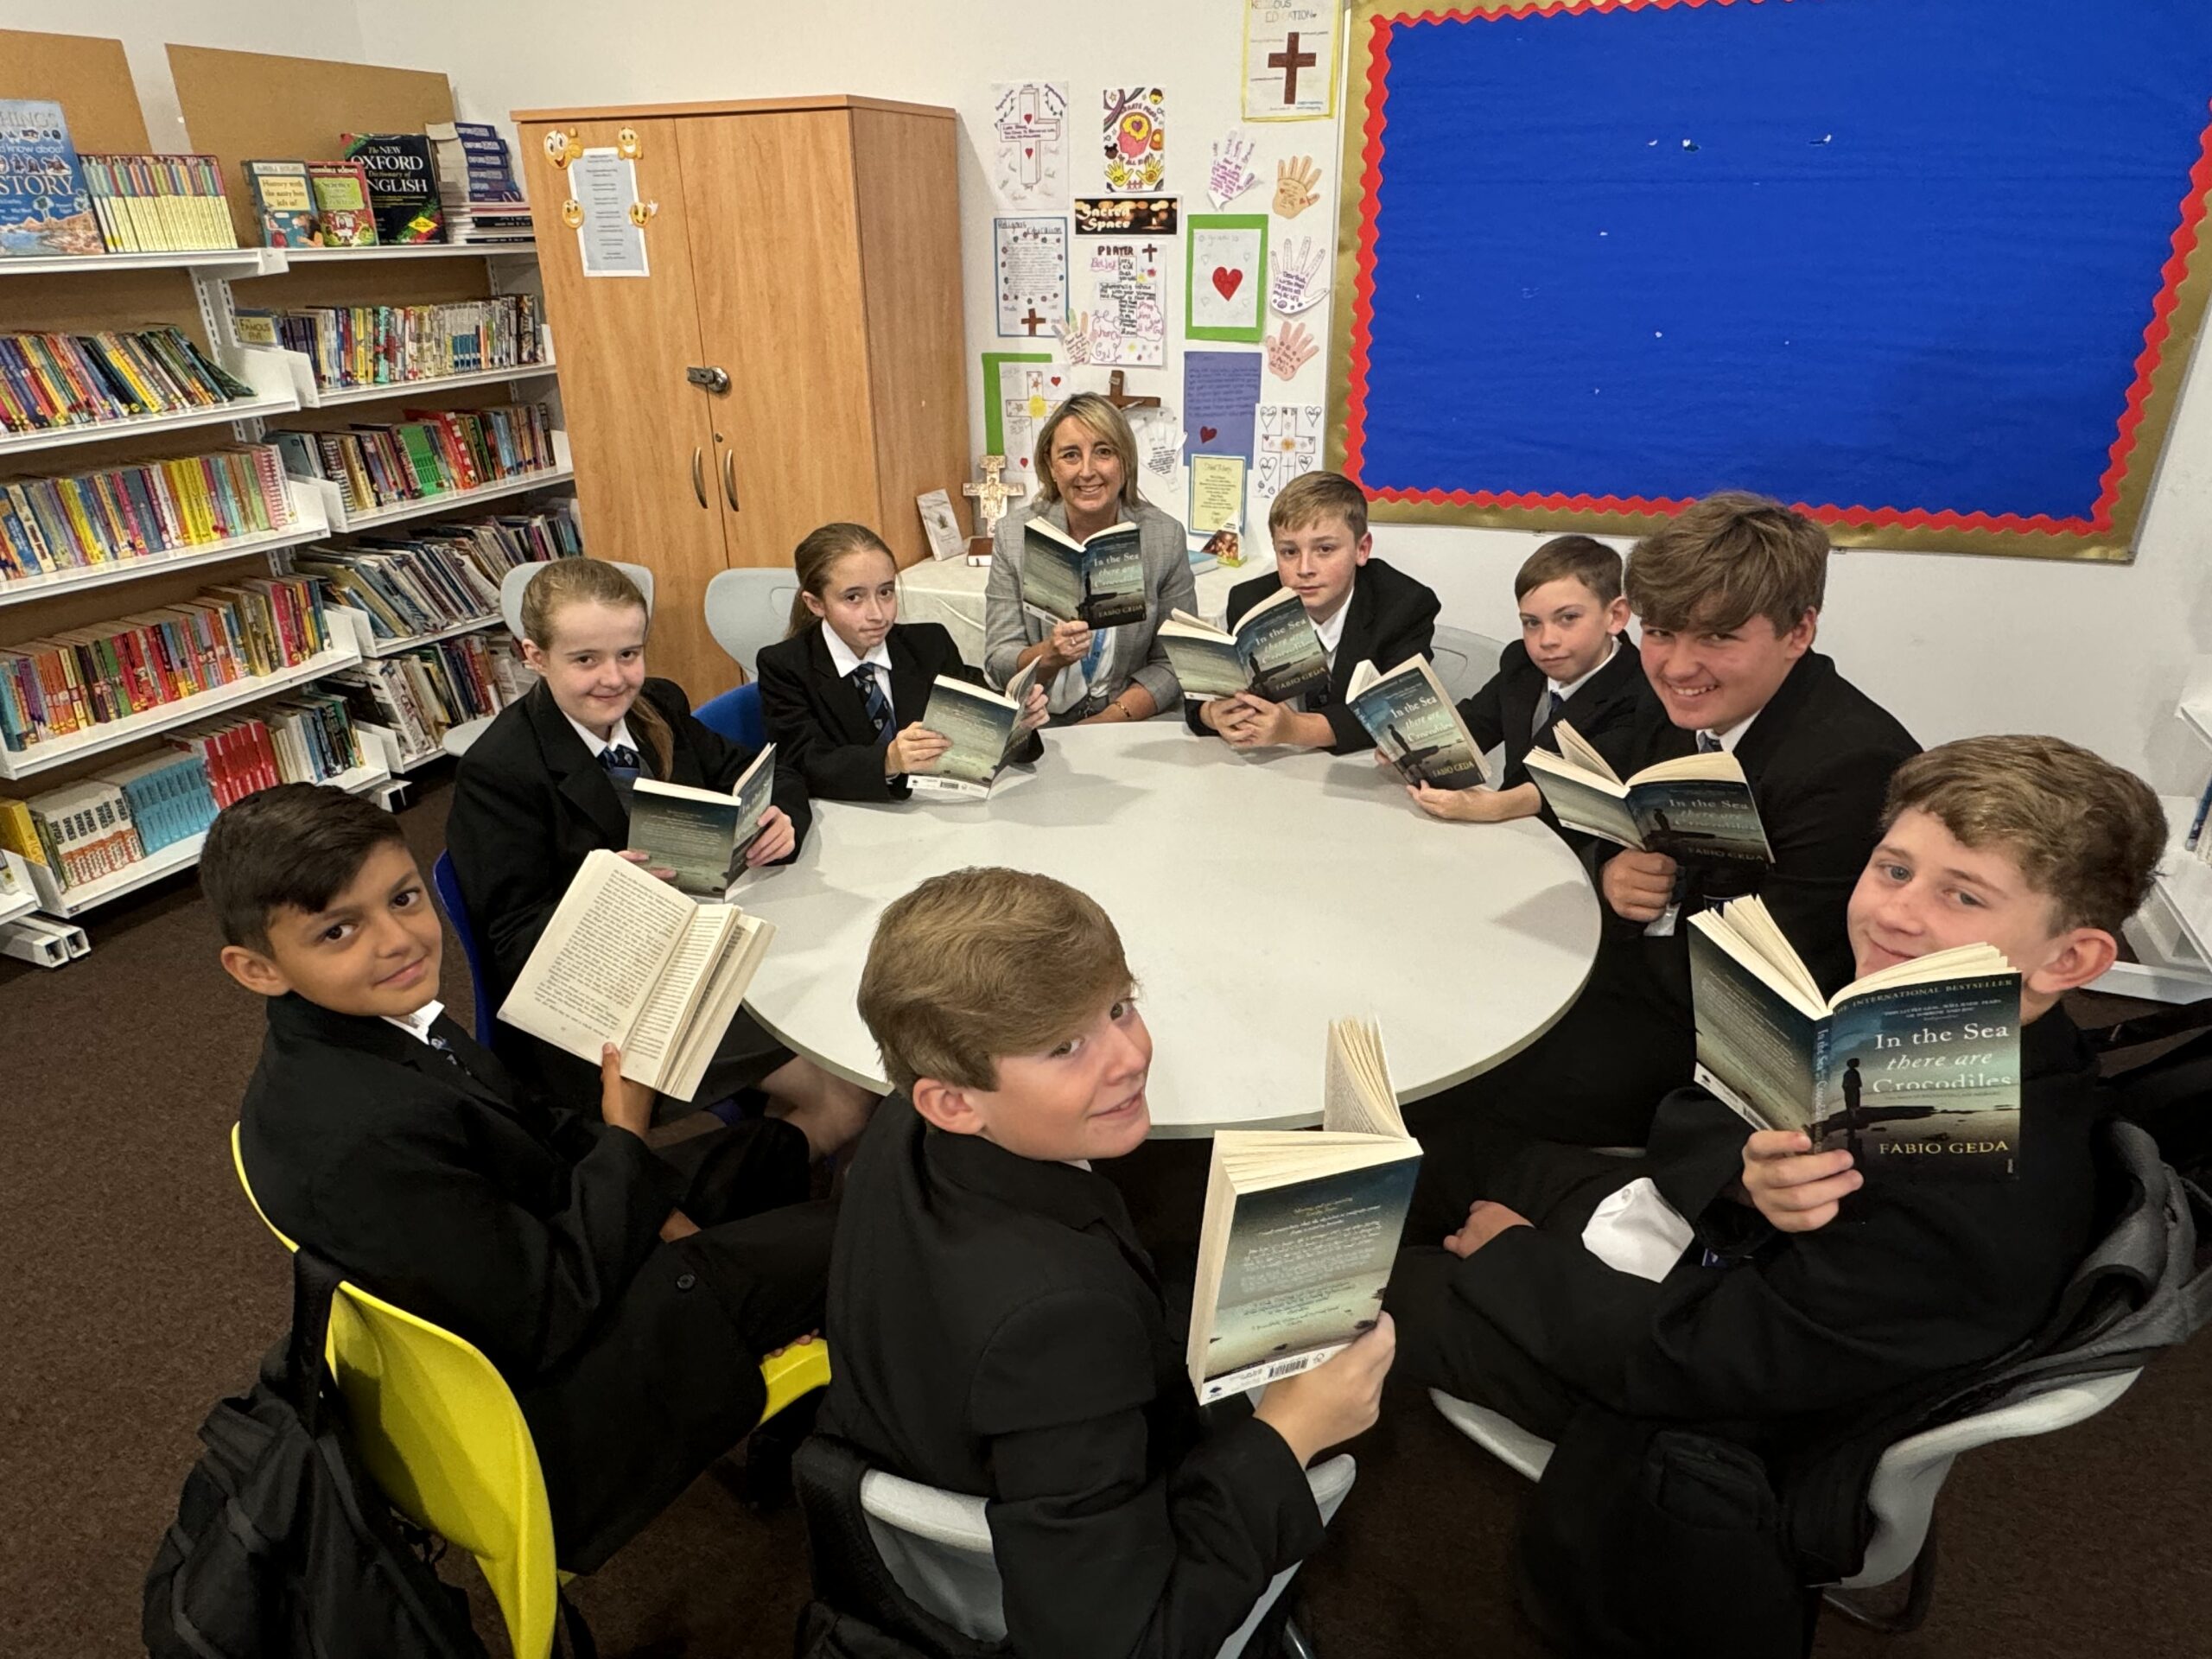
729, 479
699, 475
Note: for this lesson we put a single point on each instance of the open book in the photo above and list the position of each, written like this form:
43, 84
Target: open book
1917, 1066
702, 834
1302, 1227
1696, 810
1273, 653
1415, 724
979, 723
1100, 580
627, 959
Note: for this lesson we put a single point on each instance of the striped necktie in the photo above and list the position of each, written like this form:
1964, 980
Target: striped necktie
877, 705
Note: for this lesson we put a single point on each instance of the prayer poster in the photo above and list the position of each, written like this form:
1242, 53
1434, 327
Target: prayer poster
1290, 60
1031, 256
610, 243
1159, 434
1126, 325
1134, 136
1219, 391
1225, 280
1217, 494
1030, 121
1289, 446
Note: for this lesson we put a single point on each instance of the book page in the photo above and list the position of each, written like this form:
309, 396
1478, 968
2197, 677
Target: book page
1574, 747
727, 980
1356, 1097
660, 1020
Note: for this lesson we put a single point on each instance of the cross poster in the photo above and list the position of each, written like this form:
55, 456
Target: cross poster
1031, 256
1029, 118
1290, 60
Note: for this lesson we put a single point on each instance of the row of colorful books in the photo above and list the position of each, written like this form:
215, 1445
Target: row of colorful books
451, 183
440, 577
391, 344
477, 185
81, 521
159, 203
414, 698
122, 814
84, 677
52, 380
430, 453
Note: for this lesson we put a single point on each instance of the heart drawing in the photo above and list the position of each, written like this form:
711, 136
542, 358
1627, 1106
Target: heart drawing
1227, 282
1208, 434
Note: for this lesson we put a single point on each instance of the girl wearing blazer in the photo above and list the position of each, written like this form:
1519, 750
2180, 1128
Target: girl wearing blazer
550, 781
842, 697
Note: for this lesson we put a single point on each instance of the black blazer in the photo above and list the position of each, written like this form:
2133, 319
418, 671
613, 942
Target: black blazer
1602, 710
532, 1232
819, 723
1915, 1277
528, 801
1819, 757
1389, 617
999, 1331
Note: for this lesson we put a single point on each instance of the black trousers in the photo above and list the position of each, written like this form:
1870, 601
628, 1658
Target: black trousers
672, 1381
745, 1056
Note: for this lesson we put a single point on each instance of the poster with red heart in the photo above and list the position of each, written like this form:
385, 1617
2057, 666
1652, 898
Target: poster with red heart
1030, 119
1221, 392
1225, 290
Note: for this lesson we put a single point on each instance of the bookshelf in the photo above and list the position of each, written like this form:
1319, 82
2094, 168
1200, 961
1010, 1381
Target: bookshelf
425, 251
452, 501
306, 524
212, 262
150, 426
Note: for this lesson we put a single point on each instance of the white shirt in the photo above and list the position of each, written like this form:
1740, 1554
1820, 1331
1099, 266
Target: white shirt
1332, 630
619, 738
879, 658
1663, 925
1564, 691
418, 1024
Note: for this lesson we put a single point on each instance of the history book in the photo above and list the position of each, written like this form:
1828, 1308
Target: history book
283, 203
1415, 724
1916, 1066
979, 724
1273, 652
628, 959
1099, 580
1697, 808
702, 834
45, 210
1302, 1227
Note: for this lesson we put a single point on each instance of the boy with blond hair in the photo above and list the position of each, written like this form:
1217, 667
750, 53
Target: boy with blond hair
998, 1328
1364, 610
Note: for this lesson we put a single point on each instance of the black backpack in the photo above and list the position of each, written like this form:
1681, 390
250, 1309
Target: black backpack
283, 1545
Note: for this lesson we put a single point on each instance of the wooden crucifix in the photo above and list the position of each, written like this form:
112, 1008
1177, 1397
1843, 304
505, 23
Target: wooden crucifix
1117, 394
1290, 60
992, 495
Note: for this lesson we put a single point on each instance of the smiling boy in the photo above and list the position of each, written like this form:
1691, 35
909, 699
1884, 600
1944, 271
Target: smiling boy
998, 1328
1364, 610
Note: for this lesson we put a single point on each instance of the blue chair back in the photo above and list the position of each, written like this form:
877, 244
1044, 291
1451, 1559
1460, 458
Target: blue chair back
735, 715
448, 887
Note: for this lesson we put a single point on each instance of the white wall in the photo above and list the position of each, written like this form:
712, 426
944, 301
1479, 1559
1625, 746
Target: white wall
1953, 645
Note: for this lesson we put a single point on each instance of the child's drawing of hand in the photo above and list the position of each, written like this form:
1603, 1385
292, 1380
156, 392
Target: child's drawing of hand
1296, 285
1294, 186
1290, 348
1231, 173
1075, 335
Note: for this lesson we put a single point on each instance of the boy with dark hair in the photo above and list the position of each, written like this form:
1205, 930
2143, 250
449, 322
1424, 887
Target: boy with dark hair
1364, 610
626, 1299
998, 1328
1569, 664
1845, 1283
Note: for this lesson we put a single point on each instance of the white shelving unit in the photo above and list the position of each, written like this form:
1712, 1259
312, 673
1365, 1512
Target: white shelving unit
432, 506
364, 640
308, 525
301, 369
416, 250
229, 264
141, 426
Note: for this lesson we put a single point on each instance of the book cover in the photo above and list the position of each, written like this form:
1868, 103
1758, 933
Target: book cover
283, 198
700, 833
341, 202
1278, 640
1703, 821
979, 725
45, 211
402, 184
1100, 581
1412, 722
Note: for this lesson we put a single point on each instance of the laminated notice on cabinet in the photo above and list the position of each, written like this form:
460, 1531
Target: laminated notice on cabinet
610, 241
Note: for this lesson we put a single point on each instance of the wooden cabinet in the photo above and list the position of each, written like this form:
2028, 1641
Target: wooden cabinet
810, 250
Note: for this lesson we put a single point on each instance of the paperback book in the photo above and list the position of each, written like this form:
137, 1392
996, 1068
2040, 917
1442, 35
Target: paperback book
701, 836
1302, 1227
1915, 1068
284, 200
979, 724
1698, 808
1415, 725
343, 215
150, 203
45, 211
1273, 653
627, 959
1099, 580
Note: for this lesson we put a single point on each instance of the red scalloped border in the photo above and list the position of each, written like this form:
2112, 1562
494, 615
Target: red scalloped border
2155, 334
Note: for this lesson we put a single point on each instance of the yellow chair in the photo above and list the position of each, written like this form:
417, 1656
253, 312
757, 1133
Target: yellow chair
439, 1431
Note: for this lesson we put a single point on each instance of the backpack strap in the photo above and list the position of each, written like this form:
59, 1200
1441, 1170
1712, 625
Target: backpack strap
315, 1280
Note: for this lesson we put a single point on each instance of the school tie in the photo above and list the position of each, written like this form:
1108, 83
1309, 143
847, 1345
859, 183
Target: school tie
620, 759
1707, 743
877, 705
1546, 712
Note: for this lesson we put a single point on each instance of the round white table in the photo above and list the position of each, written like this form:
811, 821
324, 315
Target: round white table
1257, 897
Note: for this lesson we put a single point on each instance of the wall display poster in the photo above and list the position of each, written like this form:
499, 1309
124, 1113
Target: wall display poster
1226, 277
1290, 60
995, 440
1133, 134
1127, 324
1216, 494
1031, 258
1220, 389
610, 243
941, 525
1290, 447
1231, 172
1030, 121
1159, 433
1027, 393
1125, 215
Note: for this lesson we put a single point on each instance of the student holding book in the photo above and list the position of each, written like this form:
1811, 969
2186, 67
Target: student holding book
1086, 484
843, 695
1571, 662
998, 1328
626, 1296
1364, 609
550, 781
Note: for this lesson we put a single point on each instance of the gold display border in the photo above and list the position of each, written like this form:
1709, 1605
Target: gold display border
2184, 321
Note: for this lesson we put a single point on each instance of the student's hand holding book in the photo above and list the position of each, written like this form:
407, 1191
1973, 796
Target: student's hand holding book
643, 860
1035, 711
1335, 1400
915, 749
777, 840
1638, 886
1796, 1189
622, 1103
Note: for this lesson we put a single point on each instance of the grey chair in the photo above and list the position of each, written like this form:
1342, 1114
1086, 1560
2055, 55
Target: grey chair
512, 586
936, 1546
1463, 661
748, 608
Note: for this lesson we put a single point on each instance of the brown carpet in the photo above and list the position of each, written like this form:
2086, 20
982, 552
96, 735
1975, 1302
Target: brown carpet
139, 1289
